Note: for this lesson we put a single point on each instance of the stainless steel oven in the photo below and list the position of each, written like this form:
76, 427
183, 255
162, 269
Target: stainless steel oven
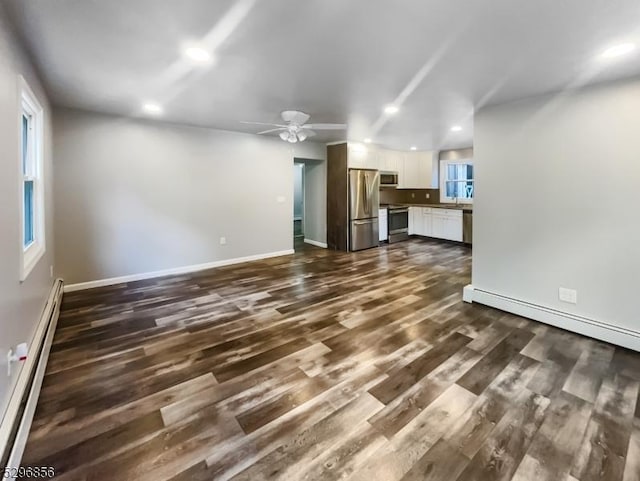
398, 223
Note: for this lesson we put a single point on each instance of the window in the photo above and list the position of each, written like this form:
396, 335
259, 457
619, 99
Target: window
456, 181
31, 183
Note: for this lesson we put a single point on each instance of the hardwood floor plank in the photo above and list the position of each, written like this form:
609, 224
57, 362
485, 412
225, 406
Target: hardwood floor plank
470, 432
281, 464
586, 376
405, 377
395, 459
632, 466
238, 455
399, 412
554, 447
505, 448
481, 375
604, 446
440, 463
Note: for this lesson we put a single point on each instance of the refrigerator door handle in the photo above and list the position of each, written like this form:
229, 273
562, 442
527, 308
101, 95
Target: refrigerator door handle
364, 222
366, 196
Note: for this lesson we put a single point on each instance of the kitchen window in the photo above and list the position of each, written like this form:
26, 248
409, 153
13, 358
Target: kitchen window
31, 182
456, 181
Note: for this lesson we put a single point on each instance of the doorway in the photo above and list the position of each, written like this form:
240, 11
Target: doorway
298, 201
309, 196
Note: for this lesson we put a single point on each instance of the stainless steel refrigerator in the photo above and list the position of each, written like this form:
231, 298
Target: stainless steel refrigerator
364, 202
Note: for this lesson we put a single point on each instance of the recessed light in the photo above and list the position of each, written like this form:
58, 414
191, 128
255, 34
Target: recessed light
456, 128
367, 141
413, 147
197, 54
391, 109
152, 108
618, 50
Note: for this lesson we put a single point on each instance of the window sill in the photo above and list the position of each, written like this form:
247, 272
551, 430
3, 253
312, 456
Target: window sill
30, 257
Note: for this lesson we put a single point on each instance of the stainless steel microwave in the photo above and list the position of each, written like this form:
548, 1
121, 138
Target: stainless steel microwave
388, 179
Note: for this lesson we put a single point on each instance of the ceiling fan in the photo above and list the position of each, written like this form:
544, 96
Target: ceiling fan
296, 129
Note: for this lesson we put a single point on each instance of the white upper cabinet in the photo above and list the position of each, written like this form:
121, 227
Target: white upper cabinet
417, 170
413, 168
360, 156
391, 161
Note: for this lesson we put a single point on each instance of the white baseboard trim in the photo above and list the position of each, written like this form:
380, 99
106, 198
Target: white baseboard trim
582, 325
171, 272
16, 422
316, 243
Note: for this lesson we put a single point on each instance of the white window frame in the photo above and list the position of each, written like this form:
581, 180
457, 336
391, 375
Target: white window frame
29, 105
443, 180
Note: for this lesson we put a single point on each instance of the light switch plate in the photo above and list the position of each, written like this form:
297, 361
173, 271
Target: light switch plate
280, 199
568, 295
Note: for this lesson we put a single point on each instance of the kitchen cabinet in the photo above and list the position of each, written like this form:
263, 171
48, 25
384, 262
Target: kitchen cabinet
417, 168
416, 221
437, 223
383, 225
390, 161
413, 168
427, 222
447, 224
361, 157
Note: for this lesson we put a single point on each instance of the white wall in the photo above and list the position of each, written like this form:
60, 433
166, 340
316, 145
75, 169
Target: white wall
20, 303
557, 184
137, 196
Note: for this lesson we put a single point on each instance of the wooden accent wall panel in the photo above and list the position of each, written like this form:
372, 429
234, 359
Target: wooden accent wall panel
337, 197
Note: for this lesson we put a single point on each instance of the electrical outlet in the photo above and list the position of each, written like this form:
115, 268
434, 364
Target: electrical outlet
428, 195
281, 199
51, 271
223, 241
568, 295
413, 195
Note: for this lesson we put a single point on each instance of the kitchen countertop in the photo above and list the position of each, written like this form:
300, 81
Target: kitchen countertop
464, 207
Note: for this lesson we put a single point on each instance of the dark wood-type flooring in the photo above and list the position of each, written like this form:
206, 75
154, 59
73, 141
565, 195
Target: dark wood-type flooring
327, 365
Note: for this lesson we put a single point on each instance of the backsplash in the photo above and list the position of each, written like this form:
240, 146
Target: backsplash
409, 196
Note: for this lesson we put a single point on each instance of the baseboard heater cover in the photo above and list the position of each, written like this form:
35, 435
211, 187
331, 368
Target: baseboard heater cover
600, 330
16, 422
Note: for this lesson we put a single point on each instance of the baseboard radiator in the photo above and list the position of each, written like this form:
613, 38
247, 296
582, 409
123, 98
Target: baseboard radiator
16, 423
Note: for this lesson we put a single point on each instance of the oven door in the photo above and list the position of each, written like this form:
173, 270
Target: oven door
398, 221
398, 225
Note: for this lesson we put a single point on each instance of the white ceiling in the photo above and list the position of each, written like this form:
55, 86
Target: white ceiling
340, 61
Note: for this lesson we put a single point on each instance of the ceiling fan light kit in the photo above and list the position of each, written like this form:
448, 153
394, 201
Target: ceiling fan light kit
295, 129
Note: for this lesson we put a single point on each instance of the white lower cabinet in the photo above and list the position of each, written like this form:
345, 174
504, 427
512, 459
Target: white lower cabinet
438, 223
416, 222
383, 225
427, 222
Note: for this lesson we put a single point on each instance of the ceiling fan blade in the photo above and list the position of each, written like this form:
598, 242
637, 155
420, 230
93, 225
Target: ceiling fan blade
272, 130
295, 117
263, 123
307, 132
325, 126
